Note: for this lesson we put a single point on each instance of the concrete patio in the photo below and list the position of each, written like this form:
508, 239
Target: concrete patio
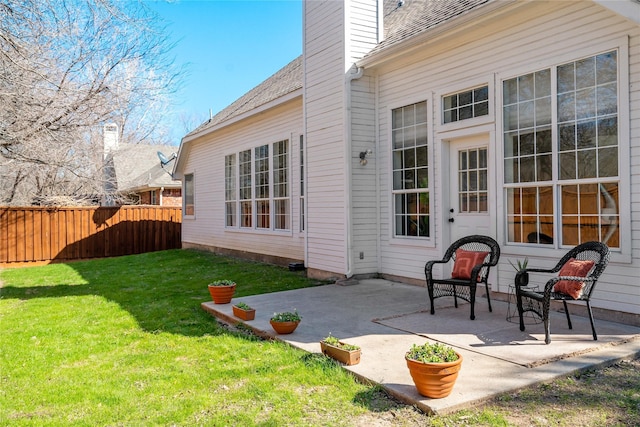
385, 318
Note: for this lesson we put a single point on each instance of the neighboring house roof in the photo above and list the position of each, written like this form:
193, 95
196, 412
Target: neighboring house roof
137, 167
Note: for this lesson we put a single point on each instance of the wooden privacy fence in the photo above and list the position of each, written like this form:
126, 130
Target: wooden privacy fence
38, 234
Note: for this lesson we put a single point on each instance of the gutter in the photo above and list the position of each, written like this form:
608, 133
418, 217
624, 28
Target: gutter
359, 72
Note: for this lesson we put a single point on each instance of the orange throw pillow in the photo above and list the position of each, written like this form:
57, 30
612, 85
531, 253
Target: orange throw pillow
573, 268
465, 261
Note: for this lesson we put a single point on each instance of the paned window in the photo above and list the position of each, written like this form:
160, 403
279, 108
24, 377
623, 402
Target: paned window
246, 189
472, 180
574, 199
262, 200
189, 206
281, 186
466, 105
410, 170
230, 190
262, 186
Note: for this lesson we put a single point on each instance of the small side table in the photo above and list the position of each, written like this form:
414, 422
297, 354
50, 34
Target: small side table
529, 317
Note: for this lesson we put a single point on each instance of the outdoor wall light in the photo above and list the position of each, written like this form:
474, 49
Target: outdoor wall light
363, 156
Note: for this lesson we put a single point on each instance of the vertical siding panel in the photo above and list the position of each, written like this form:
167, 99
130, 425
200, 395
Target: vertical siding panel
62, 234
37, 235
4, 236
20, 231
46, 235
29, 235
13, 236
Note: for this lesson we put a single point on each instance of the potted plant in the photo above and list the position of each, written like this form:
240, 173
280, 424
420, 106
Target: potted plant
285, 322
348, 354
243, 311
522, 276
434, 368
222, 291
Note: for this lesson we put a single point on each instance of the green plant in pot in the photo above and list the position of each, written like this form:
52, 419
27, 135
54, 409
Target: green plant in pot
434, 368
285, 322
222, 291
522, 276
348, 354
243, 311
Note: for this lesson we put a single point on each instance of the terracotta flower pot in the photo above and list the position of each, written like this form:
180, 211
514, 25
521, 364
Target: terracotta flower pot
434, 380
348, 357
243, 314
283, 328
222, 294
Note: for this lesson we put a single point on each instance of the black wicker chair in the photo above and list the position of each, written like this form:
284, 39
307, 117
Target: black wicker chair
539, 301
459, 287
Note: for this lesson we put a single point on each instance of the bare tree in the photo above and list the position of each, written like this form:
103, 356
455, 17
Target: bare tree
67, 67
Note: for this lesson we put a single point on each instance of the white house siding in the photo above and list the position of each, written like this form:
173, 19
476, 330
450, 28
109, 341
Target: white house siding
362, 28
206, 161
532, 36
364, 191
336, 34
324, 130
362, 36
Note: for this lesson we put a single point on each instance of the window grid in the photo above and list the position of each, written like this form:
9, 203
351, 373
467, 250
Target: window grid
466, 105
410, 170
245, 180
262, 181
261, 164
587, 117
281, 186
527, 127
586, 206
590, 213
230, 190
472, 181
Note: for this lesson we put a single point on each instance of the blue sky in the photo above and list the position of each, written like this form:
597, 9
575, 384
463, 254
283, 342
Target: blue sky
229, 46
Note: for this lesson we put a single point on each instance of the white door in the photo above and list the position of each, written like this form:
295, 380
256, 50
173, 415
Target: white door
471, 210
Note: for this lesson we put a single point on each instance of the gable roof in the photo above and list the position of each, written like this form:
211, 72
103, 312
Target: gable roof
137, 167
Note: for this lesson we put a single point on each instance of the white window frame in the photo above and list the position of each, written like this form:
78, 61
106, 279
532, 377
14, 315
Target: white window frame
621, 45
487, 80
184, 199
253, 201
420, 241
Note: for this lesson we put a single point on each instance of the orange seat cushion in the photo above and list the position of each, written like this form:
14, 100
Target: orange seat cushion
465, 261
573, 268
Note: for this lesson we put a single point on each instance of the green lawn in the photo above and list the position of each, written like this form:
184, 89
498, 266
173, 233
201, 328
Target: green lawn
123, 341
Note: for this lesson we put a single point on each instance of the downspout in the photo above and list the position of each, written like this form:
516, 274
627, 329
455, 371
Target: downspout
349, 258
161, 191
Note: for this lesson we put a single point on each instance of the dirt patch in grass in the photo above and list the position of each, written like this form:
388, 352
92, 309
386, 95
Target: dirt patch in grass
604, 396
